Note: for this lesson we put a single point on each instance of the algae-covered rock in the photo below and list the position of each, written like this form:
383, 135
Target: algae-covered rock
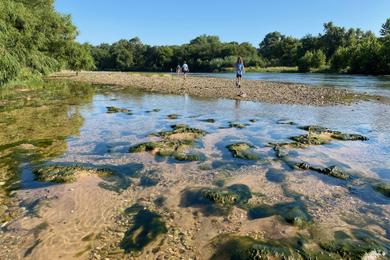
384, 188
217, 201
237, 125
209, 120
348, 137
233, 195
334, 171
356, 249
172, 116
222, 197
334, 134
247, 248
294, 213
146, 227
112, 110
310, 139
66, 174
242, 150
174, 143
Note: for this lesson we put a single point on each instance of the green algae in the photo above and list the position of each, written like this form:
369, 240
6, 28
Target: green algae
247, 248
174, 143
360, 244
66, 174
334, 134
35, 122
309, 139
294, 213
217, 201
242, 150
146, 227
113, 110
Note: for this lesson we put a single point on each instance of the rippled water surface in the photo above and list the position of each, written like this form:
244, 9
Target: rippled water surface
69, 124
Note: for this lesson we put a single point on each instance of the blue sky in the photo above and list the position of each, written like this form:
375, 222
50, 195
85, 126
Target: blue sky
169, 22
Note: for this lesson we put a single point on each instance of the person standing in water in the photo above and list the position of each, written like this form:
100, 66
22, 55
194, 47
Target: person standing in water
185, 69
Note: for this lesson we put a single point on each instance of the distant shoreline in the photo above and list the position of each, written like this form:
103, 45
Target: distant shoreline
255, 90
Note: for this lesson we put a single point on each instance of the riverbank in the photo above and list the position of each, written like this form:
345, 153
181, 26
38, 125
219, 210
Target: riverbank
263, 91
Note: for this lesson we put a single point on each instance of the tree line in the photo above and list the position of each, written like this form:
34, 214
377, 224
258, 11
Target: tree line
37, 40
337, 49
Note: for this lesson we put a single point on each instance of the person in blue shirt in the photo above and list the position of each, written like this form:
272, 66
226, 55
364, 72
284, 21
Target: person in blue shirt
240, 70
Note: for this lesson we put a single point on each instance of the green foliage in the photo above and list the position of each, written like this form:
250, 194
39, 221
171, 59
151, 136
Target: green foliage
385, 30
312, 59
35, 39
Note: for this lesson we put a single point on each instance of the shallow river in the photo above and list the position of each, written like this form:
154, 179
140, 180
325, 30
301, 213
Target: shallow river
70, 126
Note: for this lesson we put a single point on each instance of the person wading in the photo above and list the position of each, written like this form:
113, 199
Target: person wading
240, 70
185, 69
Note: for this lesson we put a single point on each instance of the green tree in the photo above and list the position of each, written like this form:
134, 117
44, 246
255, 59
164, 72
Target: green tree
36, 39
385, 30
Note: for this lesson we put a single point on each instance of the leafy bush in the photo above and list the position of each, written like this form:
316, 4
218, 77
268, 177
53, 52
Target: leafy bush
9, 67
36, 40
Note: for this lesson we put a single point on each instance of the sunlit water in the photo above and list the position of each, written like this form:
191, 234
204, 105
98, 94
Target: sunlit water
85, 134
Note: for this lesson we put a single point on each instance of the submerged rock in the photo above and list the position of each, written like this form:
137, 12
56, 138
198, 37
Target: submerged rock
242, 150
294, 213
245, 248
237, 125
174, 143
333, 171
66, 174
112, 110
334, 134
309, 139
146, 227
217, 201
172, 116
209, 120
384, 188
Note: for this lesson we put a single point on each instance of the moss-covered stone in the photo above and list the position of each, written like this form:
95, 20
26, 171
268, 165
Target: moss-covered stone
384, 188
174, 143
247, 248
333, 171
146, 227
222, 197
237, 125
242, 150
334, 134
66, 174
112, 110
217, 201
310, 139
